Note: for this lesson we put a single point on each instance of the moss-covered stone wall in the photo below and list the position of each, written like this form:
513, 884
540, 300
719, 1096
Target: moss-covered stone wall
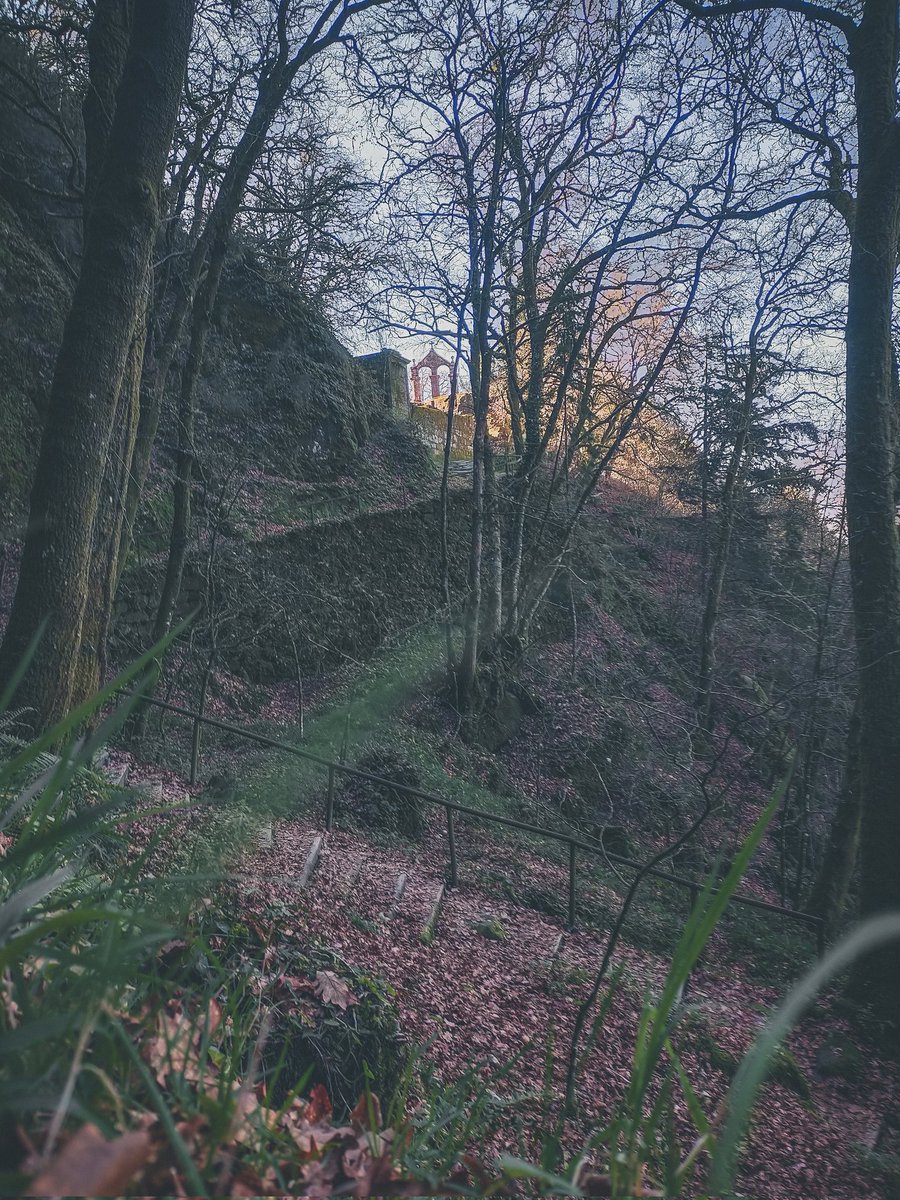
334, 590
432, 424
278, 388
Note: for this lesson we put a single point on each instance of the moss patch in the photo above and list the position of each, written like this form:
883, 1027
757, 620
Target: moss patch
783, 1069
492, 928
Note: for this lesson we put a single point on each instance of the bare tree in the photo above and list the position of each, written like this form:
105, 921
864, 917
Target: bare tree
836, 68
756, 371
294, 36
569, 234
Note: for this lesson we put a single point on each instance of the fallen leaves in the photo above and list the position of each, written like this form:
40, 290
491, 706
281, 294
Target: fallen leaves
174, 1050
327, 987
89, 1165
355, 1159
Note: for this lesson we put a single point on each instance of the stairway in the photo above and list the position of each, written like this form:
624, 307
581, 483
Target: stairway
481, 999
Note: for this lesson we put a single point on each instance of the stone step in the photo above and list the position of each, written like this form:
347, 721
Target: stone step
399, 891
353, 876
429, 929
312, 859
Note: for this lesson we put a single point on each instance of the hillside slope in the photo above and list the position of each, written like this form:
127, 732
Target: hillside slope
601, 743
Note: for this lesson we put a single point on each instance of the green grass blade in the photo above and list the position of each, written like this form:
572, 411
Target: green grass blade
869, 936
198, 1188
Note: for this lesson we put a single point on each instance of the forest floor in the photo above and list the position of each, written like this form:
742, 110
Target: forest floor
605, 746
823, 1129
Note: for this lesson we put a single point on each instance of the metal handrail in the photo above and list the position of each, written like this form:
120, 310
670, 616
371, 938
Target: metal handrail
452, 806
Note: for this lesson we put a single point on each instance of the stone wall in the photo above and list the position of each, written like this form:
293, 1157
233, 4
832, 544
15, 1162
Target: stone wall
432, 424
388, 371
334, 589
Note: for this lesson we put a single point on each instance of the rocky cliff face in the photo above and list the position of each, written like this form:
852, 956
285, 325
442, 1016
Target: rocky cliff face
279, 391
278, 385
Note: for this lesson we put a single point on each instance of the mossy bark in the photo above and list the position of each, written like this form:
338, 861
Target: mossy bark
90, 369
109, 38
106, 556
873, 543
832, 886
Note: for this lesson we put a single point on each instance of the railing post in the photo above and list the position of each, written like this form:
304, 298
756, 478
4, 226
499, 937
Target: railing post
451, 843
195, 751
571, 923
329, 801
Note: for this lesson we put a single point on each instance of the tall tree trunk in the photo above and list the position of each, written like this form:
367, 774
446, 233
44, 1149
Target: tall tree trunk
492, 564
811, 740
108, 42
90, 368
832, 886
184, 467
521, 491
721, 552
445, 505
106, 565
871, 459
704, 479
468, 663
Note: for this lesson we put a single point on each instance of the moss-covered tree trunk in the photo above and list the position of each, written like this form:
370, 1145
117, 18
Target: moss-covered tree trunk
872, 539
184, 465
832, 885
468, 662
106, 556
90, 369
109, 38
492, 564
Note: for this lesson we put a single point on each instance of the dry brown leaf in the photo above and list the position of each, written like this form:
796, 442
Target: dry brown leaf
175, 1050
310, 1139
319, 1106
246, 1105
247, 1186
89, 1165
7, 1003
169, 1051
382, 1179
331, 989
367, 1113
319, 1178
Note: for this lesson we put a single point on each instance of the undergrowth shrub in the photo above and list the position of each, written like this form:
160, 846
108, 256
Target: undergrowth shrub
604, 770
331, 1022
379, 805
348, 1051
134, 1029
